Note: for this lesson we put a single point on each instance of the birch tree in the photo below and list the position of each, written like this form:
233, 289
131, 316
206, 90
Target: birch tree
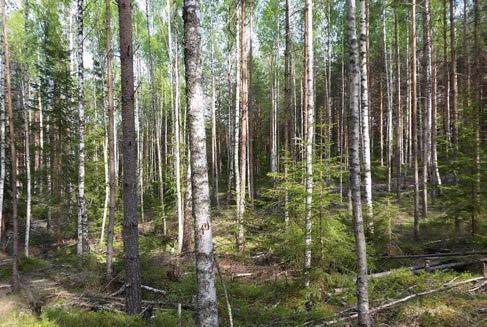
206, 298
310, 125
12, 147
364, 105
354, 167
82, 245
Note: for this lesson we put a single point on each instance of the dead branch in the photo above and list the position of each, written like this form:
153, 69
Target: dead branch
392, 303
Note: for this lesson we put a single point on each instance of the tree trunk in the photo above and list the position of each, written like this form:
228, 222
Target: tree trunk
2, 127
214, 141
236, 126
176, 136
478, 117
130, 224
427, 117
354, 167
13, 152
365, 114
398, 154
310, 125
112, 178
206, 299
82, 245
453, 78
287, 105
244, 96
388, 76
414, 114
446, 80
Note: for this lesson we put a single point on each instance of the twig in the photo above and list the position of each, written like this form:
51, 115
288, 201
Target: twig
225, 292
387, 305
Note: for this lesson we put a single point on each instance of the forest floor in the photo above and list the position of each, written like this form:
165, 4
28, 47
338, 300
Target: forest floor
264, 286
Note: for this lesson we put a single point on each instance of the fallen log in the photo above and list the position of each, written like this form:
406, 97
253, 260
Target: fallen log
153, 289
433, 255
392, 303
144, 287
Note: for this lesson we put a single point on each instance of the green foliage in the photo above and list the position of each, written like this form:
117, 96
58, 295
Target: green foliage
74, 318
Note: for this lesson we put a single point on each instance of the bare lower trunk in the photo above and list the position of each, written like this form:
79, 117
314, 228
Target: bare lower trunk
354, 167
112, 177
130, 224
206, 298
428, 103
414, 120
244, 97
13, 152
2, 129
176, 135
365, 114
82, 246
287, 106
310, 124
453, 78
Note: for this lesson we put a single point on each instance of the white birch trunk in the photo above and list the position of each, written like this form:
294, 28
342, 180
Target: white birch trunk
354, 166
365, 114
82, 245
207, 314
310, 124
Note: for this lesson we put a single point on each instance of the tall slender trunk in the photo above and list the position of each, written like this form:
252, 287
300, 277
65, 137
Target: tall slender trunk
446, 80
310, 125
236, 126
112, 177
398, 154
176, 137
13, 151
427, 117
83, 245
388, 76
478, 116
214, 141
365, 114
244, 97
206, 299
354, 167
2, 126
453, 78
414, 123
28, 210
130, 224
287, 104
107, 187
435, 172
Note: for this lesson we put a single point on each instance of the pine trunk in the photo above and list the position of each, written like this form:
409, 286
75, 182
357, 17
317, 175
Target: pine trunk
414, 120
112, 178
130, 224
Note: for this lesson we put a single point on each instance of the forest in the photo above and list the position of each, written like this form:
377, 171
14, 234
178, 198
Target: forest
243, 163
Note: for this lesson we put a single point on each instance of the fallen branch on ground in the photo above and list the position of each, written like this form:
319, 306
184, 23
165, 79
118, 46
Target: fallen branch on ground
392, 303
144, 287
433, 255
